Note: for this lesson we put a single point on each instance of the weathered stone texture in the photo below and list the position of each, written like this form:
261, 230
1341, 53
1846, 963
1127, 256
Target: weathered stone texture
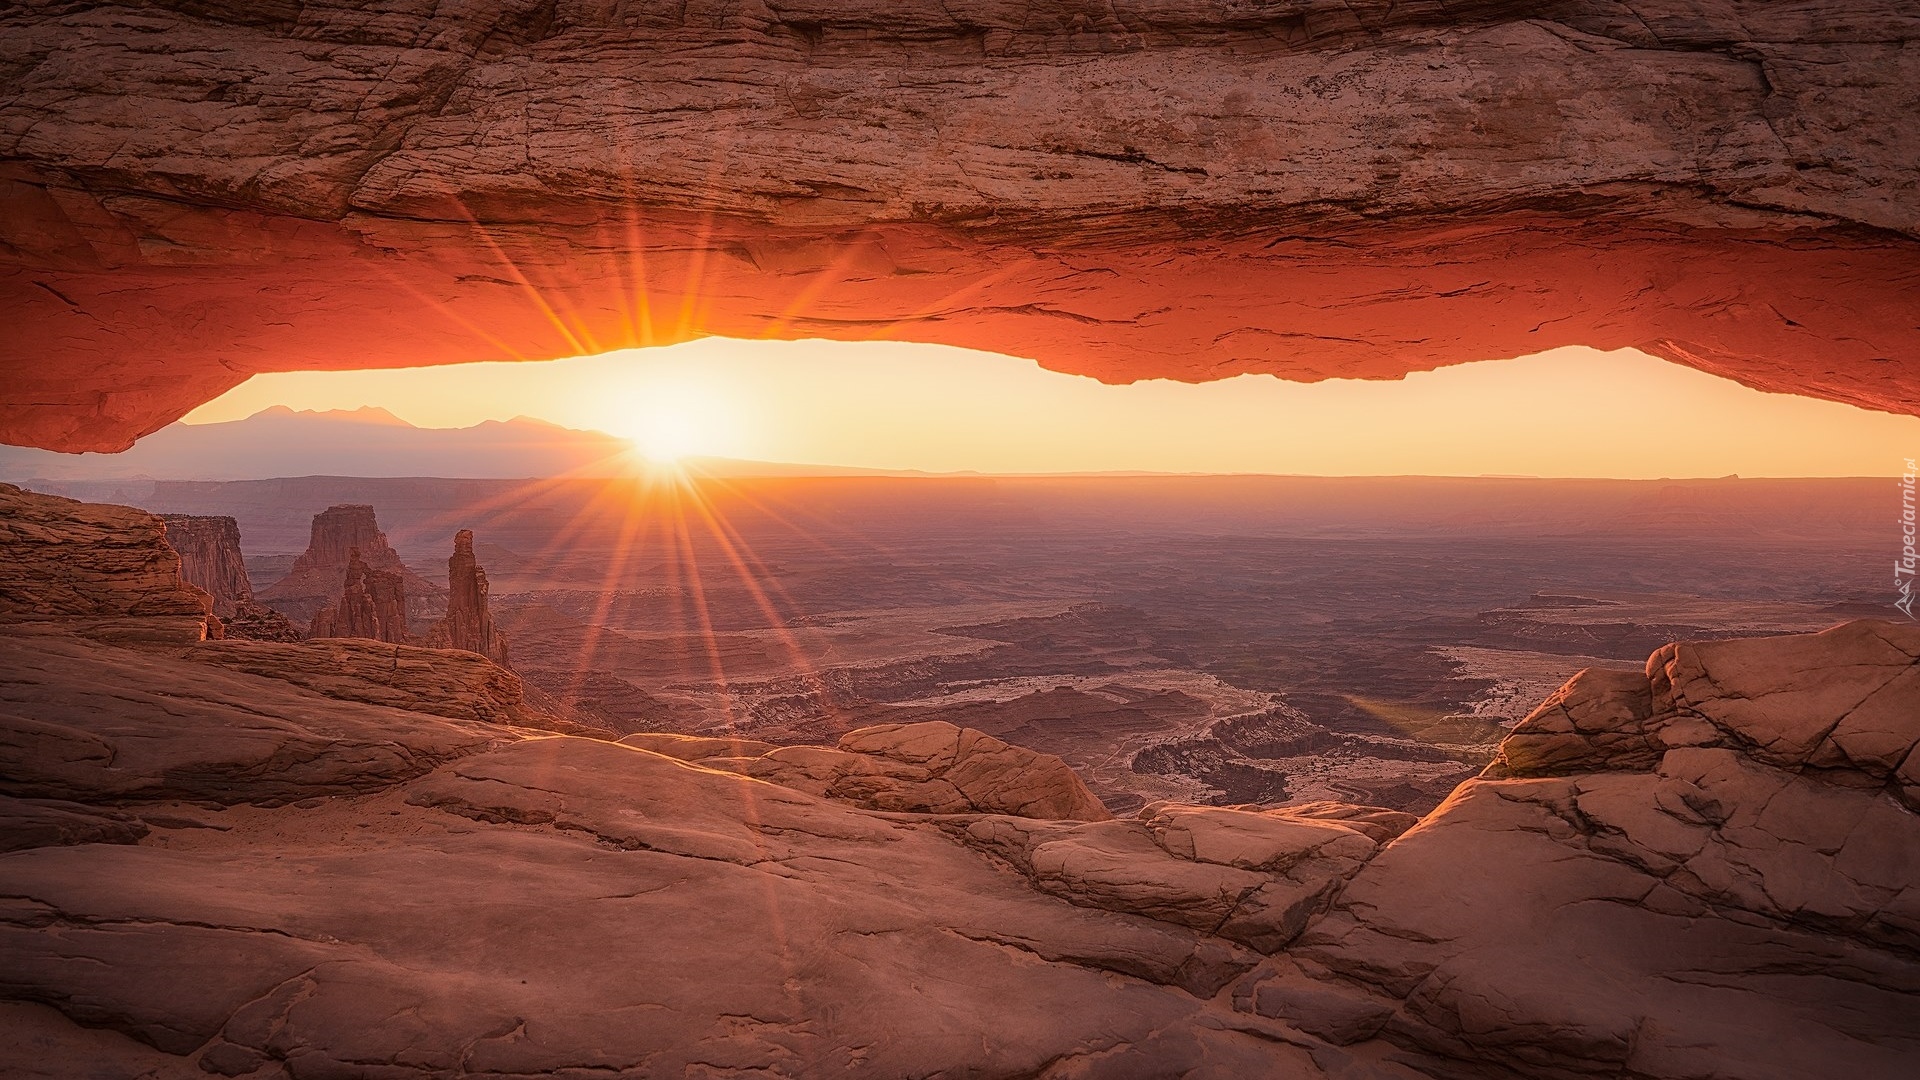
1128, 190
103, 569
468, 623
210, 558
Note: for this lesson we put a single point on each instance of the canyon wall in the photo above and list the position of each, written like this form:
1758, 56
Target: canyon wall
1321, 188
103, 570
340, 535
210, 557
372, 604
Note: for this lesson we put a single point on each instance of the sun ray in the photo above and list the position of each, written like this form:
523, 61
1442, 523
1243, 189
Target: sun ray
575, 341
823, 279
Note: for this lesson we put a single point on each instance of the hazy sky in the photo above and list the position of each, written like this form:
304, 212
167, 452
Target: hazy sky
1570, 412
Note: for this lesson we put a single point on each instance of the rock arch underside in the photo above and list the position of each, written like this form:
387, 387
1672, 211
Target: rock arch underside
199, 190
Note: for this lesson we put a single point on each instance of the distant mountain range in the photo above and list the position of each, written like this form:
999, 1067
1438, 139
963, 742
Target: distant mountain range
370, 441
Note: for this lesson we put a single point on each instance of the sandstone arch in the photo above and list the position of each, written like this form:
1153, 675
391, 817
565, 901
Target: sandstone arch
197, 190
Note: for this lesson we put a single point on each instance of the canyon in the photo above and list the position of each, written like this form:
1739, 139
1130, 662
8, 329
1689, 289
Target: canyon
271, 860
1212, 640
1035, 778
1129, 190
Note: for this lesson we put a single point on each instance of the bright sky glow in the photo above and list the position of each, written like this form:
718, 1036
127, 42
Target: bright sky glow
1570, 412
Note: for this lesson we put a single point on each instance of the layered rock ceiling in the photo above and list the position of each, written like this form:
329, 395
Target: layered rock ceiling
197, 191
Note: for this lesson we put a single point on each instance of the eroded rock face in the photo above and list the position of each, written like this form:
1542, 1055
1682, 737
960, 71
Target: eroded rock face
1251, 877
104, 570
468, 623
257, 622
1844, 703
210, 558
1721, 883
372, 604
318, 575
1126, 190
434, 681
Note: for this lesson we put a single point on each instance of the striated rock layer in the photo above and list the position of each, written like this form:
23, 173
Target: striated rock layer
1320, 188
340, 535
372, 604
927, 768
210, 558
106, 570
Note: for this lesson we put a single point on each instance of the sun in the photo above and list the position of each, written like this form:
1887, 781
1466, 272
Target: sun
668, 438
670, 421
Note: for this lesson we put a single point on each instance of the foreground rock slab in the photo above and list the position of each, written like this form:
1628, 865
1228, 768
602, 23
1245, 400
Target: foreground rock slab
1722, 883
565, 905
931, 767
93, 723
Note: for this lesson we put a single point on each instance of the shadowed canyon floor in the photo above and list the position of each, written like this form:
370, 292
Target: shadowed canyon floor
1703, 867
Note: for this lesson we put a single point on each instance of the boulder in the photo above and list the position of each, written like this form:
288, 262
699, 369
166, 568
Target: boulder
1845, 702
1249, 876
254, 622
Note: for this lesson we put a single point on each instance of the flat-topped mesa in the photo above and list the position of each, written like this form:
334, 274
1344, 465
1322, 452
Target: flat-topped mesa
469, 623
209, 549
319, 573
105, 571
372, 604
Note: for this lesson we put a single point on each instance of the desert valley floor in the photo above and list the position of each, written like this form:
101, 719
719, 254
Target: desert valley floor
1207, 639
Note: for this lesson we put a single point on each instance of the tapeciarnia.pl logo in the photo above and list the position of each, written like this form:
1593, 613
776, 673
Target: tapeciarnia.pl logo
1903, 568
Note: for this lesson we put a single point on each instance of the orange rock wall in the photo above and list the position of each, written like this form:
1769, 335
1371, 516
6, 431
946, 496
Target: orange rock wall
1148, 188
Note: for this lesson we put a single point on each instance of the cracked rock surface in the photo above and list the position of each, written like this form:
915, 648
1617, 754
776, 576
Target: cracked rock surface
561, 904
932, 767
1711, 869
1727, 883
196, 192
